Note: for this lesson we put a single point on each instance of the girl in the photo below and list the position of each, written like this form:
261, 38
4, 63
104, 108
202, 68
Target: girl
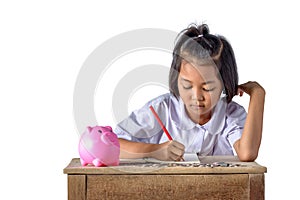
198, 112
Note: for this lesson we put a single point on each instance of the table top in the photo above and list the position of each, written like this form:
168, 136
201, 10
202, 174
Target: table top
208, 166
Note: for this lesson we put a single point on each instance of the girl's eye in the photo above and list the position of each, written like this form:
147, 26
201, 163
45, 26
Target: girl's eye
187, 87
208, 89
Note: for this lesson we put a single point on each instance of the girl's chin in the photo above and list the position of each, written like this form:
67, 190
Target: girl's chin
197, 110
197, 114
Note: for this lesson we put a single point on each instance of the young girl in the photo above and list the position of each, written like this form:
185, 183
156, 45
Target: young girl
198, 112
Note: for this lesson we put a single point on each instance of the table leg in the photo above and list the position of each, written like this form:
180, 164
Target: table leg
77, 187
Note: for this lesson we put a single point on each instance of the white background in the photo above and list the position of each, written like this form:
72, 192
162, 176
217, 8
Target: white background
44, 44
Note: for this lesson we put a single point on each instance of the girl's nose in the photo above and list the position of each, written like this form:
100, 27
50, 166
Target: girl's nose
198, 95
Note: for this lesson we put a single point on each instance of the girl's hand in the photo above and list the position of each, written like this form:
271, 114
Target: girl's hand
251, 87
170, 150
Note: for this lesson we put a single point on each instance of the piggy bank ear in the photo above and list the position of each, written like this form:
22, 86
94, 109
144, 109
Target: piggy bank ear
89, 129
108, 128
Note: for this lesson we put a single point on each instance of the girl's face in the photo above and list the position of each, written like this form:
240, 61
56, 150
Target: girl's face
200, 89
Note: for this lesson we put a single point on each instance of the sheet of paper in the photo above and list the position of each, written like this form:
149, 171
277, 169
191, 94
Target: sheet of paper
191, 157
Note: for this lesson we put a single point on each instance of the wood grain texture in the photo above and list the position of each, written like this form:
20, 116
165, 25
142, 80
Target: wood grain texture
257, 186
168, 187
77, 187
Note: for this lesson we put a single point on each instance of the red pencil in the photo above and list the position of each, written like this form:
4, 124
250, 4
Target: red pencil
160, 123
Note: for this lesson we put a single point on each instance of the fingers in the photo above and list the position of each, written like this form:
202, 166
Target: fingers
170, 150
174, 157
176, 150
240, 92
178, 145
249, 88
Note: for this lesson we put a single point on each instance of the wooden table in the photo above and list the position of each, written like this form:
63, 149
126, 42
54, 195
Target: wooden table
155, 181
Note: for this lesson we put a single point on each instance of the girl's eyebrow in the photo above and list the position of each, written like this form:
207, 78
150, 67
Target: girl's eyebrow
204, 83
185, 80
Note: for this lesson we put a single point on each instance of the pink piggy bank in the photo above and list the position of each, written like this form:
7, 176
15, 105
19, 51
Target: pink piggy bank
99, 146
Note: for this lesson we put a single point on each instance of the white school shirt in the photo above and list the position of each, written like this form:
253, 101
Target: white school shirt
216, 137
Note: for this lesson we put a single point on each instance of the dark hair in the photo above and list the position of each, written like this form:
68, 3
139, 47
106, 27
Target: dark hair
196, 44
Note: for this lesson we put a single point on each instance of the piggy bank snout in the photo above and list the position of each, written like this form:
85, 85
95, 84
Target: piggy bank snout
108, 138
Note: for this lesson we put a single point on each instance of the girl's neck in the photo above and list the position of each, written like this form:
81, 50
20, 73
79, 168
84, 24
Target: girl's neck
204, 118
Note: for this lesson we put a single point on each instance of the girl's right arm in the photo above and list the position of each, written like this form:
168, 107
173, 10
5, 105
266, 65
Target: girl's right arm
170, 150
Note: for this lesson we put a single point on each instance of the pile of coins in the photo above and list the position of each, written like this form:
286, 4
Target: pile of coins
211, 165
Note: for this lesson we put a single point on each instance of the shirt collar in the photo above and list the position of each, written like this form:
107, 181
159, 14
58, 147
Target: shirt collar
181, 119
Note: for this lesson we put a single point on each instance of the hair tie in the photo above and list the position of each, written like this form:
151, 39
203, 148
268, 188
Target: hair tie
199, 36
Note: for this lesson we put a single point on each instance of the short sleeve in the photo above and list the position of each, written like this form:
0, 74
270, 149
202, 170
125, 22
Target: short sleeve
141, 126
236, 117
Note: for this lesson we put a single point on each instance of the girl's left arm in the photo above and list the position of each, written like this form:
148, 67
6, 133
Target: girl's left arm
248, 145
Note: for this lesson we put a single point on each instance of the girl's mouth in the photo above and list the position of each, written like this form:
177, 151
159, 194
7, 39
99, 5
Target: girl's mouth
197, 107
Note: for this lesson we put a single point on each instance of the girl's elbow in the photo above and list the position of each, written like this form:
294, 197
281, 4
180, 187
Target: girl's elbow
247, 156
